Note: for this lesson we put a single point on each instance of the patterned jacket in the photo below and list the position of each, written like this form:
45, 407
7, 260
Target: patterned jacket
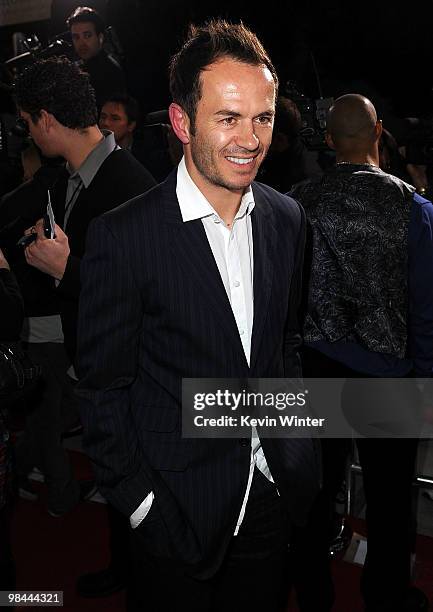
358, 290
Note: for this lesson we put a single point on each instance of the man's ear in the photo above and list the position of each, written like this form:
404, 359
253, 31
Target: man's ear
46, 120
180, 122
329, 141
378, 129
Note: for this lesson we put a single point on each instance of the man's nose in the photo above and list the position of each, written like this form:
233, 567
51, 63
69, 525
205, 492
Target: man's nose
247, 137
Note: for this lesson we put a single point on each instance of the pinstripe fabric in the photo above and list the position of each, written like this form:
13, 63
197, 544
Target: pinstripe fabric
153, 309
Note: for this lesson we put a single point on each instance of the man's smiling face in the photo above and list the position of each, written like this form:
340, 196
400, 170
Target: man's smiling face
233, 125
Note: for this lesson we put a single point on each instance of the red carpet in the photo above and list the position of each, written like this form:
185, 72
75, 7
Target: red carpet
52, 552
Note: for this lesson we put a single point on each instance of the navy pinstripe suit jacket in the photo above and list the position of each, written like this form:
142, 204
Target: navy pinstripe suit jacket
153, 309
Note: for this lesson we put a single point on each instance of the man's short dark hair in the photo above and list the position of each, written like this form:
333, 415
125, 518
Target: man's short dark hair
130, 105
204, 46
58, 86
85, 14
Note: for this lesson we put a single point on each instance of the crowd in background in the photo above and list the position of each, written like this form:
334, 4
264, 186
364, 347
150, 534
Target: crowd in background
50, 318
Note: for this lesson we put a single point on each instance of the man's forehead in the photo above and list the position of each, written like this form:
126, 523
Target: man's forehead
114, 108
232, 74
229, 83
83, 27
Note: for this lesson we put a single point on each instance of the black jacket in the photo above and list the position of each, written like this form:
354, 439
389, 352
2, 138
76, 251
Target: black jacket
120, 178
153, 310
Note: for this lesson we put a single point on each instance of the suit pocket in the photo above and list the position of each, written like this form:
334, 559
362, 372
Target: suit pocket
162, 444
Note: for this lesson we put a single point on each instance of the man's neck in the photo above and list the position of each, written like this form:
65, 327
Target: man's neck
80, 145
358, 158
126, 142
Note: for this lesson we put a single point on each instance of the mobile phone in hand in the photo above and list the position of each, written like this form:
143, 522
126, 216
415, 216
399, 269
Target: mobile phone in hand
49, 223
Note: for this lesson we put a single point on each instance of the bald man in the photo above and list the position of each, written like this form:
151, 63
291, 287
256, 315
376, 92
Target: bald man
369, 314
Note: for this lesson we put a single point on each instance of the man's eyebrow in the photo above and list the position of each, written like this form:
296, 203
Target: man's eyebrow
224, 112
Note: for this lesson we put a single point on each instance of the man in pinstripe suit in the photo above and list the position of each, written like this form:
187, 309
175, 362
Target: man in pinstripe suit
199, 278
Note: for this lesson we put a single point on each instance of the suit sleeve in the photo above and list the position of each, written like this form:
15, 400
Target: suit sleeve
109, 322
293, 337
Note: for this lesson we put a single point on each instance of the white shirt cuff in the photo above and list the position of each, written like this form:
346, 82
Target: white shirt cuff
138, 515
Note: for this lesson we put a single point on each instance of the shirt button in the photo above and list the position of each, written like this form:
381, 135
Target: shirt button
241, 332
236, 284
216, 220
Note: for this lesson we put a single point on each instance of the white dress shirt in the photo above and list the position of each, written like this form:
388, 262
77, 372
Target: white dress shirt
233, 252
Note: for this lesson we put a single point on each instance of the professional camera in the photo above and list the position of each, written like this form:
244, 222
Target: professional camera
32, 50
313, 115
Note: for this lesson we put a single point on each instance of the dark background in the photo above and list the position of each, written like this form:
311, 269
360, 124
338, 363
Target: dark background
380, 49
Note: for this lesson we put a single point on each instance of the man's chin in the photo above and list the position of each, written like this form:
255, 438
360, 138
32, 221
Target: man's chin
236, 187
242, 182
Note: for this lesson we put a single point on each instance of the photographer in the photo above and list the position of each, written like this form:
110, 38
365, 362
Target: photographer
87, 33
150, 145
289, 161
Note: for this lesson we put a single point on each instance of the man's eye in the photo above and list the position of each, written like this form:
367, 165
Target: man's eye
229, 121
264, 119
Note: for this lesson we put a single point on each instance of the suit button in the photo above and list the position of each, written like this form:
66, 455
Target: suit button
244, 442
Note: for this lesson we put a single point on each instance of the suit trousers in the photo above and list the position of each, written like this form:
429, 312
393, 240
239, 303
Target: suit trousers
252, 577
388, 467
52, 410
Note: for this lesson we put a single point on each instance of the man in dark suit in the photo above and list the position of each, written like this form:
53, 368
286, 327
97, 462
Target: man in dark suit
57, 102
199, 278
98, 175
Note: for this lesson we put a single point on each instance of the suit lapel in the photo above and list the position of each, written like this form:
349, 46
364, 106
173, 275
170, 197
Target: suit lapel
193, 253
264, 241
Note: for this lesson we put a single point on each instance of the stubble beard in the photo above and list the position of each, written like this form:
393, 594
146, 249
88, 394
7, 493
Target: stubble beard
203, 159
